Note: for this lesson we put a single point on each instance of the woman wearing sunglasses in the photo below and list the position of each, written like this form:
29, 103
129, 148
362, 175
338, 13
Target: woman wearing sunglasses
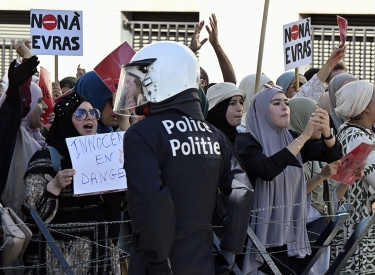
75, 222
273, 157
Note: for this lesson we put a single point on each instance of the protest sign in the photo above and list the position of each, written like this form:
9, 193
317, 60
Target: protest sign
98, 161
56, 32
351, 162
343, 29
45, 85
109, 68
297, 44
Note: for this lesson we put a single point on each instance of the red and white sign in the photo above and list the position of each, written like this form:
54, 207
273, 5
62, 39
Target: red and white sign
56, 32
109, 69
297, 44
351, 162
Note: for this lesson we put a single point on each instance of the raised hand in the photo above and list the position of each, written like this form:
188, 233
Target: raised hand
320, 118
18, 75
22, 47
213, 32
195, 44
56, 90
80, 71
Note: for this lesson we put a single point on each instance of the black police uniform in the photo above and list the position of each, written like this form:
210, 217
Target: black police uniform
174, 165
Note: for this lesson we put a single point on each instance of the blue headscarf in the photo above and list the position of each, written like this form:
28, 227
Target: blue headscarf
93, 88
285, 79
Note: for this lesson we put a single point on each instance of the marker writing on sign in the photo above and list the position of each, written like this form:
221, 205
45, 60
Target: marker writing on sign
91, 143
300, 50
103, 177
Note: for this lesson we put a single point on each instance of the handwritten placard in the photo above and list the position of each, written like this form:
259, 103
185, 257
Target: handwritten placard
98, 161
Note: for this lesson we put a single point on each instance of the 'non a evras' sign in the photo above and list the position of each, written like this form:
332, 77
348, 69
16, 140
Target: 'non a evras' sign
297, 44
56, 32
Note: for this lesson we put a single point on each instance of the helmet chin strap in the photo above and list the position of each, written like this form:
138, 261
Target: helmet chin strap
142, 110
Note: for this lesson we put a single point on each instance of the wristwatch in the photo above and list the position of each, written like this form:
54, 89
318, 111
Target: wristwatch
330, 136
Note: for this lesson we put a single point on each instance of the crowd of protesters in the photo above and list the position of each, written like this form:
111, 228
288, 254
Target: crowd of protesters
270, 157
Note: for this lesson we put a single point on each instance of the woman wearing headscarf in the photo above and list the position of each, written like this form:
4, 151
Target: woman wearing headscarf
316, 86
67, 83
248, 85
334, 85
93, 88
323, 192
20, 110
225, 108
355, 104
324, 103
272, 156
77, 224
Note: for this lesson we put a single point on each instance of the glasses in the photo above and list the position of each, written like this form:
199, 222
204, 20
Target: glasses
268, 86
294, 85
82, 114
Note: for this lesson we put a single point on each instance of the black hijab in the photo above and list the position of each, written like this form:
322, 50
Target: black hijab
63, 127
217, 117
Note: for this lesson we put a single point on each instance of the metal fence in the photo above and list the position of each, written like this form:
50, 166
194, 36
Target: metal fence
143, 33
360, 52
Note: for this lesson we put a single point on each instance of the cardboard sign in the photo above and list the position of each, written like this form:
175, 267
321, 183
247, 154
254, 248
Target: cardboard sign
98, 161
110, 67
45, 85
351, 162
297, 44
56, 32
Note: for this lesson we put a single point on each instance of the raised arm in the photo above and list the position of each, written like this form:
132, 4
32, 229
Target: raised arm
11, 114
224, 62
316, 86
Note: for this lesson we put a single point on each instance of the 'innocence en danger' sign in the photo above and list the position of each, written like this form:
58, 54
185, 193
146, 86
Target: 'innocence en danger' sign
297, 44
56, 32
98, 161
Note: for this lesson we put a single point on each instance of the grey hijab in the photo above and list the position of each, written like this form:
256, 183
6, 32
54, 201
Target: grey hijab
334, 85
273, 225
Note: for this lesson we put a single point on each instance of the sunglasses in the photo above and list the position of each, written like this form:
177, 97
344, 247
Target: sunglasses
268, 86
82, 114
294, 85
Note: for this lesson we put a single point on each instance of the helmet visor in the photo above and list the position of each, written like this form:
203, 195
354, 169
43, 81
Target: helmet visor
129, 94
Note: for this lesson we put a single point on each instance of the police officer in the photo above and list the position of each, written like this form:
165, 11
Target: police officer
174, 163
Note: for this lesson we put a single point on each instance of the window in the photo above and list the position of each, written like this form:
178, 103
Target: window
143, 28
13, 25
360, 55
